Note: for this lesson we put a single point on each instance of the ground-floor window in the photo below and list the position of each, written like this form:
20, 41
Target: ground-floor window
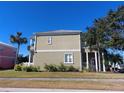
68, 58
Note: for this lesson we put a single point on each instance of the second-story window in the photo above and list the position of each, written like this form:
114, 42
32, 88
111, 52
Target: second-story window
50, 40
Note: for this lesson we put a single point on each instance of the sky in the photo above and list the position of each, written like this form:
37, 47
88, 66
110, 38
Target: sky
41, 16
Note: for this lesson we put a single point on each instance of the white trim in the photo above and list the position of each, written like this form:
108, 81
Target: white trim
72, 50
96, 61
35, 43
72, 59
87, 60
7, 57
29, 58
103, 62
81, 67
99, 61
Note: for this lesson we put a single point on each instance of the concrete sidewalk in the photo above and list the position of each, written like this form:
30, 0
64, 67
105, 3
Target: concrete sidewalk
46, 90
66, 79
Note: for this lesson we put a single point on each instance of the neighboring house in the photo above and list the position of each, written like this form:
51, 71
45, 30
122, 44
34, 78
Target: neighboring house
62, 46
7, 56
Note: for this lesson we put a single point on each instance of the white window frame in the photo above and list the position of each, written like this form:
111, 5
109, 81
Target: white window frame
49, 40
72, 58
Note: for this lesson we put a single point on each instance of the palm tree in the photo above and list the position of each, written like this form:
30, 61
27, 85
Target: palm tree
18, 40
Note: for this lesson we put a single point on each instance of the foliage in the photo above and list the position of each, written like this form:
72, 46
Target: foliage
111, 57
19, 67
59, 68
22, 59
51, 68
106, 33
116, 58
62, 68
71, 68
31, 69
18, 40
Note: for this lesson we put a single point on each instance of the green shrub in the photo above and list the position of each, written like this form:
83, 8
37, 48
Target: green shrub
24, 68
51, 68
27, 68
18, 67
46, 67
71, 68
36, 69
31, 69
59, 68
62, 68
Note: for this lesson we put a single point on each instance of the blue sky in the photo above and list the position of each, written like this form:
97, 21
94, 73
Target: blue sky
30, 17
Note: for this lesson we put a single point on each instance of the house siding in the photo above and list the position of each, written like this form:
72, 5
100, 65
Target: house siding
7, 56
58, 42
42, 58
54, 53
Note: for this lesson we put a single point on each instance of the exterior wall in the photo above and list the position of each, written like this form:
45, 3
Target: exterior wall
42, 58
54, 53
7, 56
58, 42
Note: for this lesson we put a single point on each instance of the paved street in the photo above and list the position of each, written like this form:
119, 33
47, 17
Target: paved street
66, 79
45, 90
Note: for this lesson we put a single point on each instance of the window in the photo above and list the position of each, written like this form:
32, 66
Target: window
68, 58
49, 40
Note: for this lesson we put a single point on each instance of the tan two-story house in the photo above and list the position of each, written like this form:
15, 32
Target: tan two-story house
62, 46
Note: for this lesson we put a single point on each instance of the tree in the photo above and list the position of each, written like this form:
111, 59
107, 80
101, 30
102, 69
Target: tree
112, 58
107, 32
115, 58
96, 37
22, 58
116, 28
18, 40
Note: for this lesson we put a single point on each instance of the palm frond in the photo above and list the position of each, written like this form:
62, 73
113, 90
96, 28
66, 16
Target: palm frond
12, 39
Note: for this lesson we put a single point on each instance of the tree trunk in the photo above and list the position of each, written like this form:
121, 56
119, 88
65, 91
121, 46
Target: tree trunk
17, 55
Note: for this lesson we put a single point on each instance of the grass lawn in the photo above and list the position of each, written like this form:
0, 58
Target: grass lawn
97, 85
11, 73
63, 85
